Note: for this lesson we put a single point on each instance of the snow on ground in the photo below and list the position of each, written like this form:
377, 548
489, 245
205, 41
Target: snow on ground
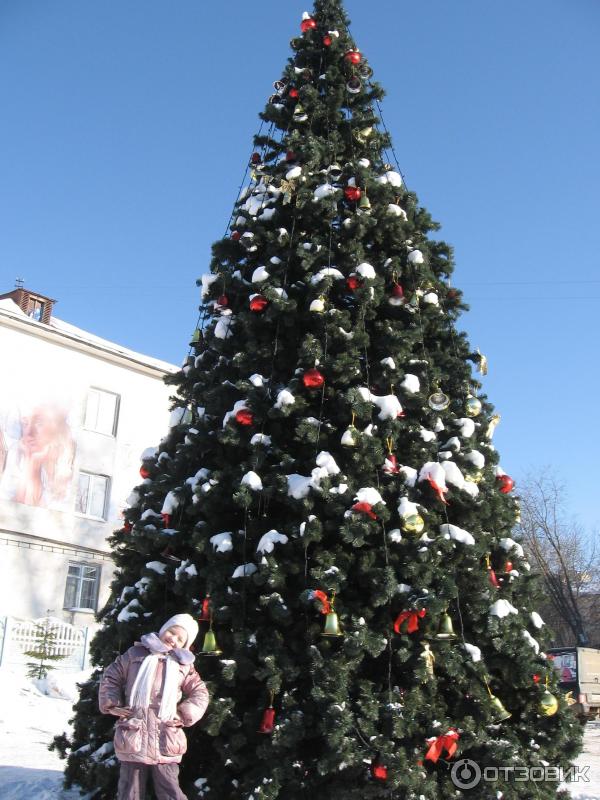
32, 713
590, 757
29, 719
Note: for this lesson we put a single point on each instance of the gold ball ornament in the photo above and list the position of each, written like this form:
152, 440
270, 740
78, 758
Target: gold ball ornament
413, 523
474, 477
472, 406
548, 704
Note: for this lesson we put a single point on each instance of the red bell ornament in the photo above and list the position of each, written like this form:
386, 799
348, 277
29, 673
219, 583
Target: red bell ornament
308, 24
244, 417
505, 483
352, 282
353, 57
205, 612
397, 291
313, 379
144, 472
268, 720
352, 193
258, 303
223, 300
390, 465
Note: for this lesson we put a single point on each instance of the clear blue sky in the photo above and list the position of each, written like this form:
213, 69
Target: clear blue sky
125, 128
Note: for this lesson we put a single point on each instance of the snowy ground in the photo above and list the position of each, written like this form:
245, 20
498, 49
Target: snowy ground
29, 719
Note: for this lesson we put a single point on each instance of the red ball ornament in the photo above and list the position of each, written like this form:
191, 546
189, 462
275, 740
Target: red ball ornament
379, 772
352, 193
327, 40
536, 678
127, 527
505, 483
353, 57
255, 158
313, 379
236, 236
293, 92
258, 303
222, 300
390, 465
268, 721
353, 283
244, 417
144, 472
308, 24
397, 290
508, 566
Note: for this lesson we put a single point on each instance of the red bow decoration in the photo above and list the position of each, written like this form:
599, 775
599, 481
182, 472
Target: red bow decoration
324, 601
365, 508
439, 490
437, 745
413, 618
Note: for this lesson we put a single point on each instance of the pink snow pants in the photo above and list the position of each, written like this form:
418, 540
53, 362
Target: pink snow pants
133, 778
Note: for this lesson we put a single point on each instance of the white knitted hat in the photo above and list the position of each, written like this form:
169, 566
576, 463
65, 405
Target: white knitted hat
185, 621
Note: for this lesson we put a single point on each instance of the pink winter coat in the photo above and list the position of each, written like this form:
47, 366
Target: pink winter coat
144, 738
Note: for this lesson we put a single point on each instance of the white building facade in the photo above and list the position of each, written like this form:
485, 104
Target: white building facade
76, 412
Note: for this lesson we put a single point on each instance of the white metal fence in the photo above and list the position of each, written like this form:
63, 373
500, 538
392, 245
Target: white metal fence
17, 636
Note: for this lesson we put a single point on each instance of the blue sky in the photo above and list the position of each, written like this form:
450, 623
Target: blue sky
125, 131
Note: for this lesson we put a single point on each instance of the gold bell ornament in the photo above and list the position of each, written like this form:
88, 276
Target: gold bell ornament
332, 625
497, 709
445, 630
364, 204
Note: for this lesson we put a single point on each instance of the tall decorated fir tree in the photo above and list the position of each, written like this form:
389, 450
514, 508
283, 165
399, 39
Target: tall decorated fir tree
328, 500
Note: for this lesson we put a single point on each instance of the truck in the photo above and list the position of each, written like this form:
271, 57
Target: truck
579, 674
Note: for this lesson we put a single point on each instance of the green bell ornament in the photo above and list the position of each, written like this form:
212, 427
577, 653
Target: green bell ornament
209, 645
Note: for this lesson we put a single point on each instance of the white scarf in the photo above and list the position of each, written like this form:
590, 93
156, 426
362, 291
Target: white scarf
144, 680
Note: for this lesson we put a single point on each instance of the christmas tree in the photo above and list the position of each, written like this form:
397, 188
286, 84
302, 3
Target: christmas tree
44, 650
328, 500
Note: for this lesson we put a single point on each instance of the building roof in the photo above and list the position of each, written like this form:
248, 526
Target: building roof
69, 335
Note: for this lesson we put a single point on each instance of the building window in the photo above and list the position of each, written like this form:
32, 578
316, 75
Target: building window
101, 412
35, 309
81, 591
92, 495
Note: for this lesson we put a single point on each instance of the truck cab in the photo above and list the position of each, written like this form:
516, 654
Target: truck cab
579, 673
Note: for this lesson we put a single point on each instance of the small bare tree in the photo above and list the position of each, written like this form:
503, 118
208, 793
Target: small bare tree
562, 552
